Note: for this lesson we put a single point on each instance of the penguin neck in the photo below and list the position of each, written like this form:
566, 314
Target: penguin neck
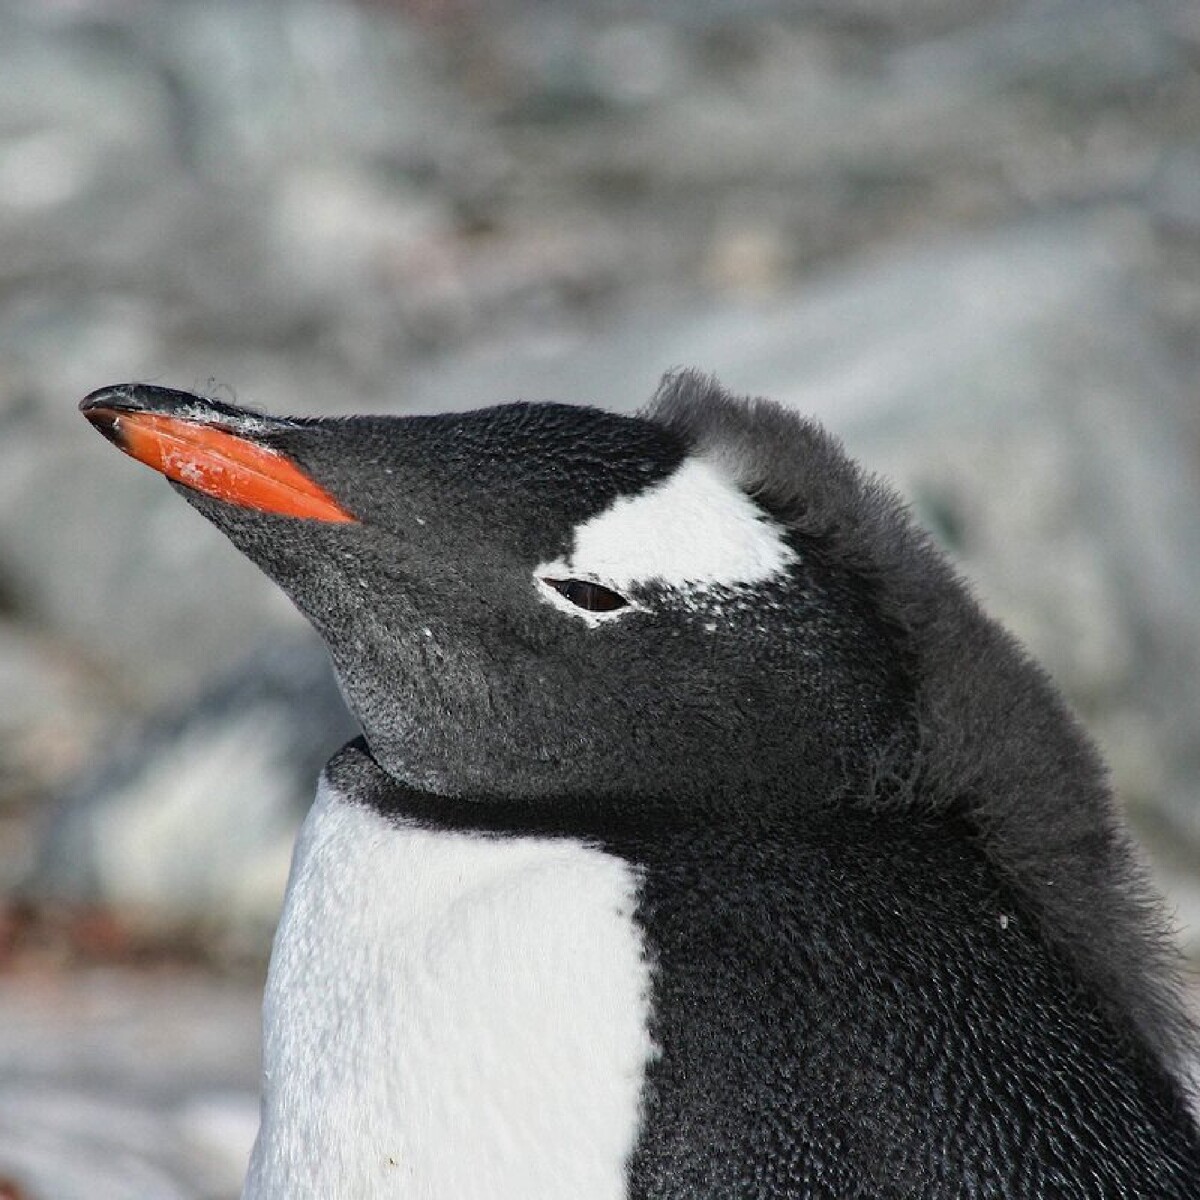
619, 819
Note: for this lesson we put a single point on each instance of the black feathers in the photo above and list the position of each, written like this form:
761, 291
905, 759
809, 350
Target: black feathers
899, 943
996, 741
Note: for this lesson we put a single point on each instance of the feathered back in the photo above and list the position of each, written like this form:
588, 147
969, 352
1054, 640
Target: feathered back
997, 744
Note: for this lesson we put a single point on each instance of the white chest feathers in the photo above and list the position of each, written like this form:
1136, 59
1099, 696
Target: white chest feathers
450, 1016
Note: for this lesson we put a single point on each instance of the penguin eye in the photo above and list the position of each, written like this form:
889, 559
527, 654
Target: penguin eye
591, 597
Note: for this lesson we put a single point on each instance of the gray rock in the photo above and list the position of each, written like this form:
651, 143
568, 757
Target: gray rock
188, 821
120, 1087
1175, 191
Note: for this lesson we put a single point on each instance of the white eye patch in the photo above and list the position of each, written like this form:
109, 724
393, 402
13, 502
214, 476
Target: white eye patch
695, 530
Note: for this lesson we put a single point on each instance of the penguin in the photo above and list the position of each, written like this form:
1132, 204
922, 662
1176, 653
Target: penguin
704, 839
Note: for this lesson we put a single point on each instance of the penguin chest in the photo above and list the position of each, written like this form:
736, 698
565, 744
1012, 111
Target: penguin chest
450, 1014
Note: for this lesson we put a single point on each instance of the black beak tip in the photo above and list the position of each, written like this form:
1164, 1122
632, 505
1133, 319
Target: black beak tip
170, 402
140, 397
106, 421
104, 400
103, 409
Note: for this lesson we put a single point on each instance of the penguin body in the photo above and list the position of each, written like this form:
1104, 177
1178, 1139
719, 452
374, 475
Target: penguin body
705, 839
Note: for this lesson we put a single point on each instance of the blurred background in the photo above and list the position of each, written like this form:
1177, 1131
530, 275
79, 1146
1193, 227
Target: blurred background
963, 233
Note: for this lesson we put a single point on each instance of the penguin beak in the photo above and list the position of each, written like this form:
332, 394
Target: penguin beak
210, 447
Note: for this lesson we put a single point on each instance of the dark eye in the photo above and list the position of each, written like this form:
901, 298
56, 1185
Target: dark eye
591, 597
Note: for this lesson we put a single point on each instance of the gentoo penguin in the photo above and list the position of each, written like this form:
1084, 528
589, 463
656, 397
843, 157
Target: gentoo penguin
705, 841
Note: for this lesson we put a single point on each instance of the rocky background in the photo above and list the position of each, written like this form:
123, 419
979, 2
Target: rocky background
965, 234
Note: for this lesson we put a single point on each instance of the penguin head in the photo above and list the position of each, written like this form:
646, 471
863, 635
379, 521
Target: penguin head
556, 601
706, 610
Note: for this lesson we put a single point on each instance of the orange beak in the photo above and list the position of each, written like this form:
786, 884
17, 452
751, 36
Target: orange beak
214, 461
